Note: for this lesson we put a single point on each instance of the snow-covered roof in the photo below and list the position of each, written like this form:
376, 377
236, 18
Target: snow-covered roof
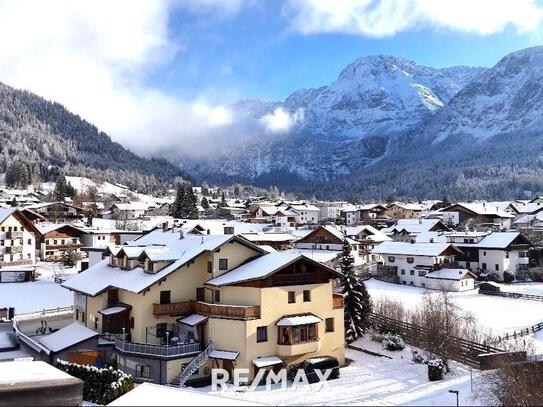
412, 226
371, 232
267, 248
302, 319
112, 310
101, 276
68, 336
259, 268
133, 206
223, 355
269, 237
193, 319
499, 240
484, 209
267, 361
306, 207
450, 274
412, 249
149, 394
428, 237
322, 256
527, 208
407, 206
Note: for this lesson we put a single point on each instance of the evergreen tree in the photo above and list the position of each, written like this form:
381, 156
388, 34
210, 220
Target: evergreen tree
62, 189
190, 208
357, 303
179, 201
204, 202
223, 203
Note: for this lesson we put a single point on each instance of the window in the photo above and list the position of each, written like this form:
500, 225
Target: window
200, 294
329, 324
143, 371
291, 297
165, 297
289, 335
422, 273
217, 296
29, 241
410, 260
412, 272
210, 267
483, 265
423, 284
391, 259
307, 296
112, 297
484, 253
223, 264
77, 314
262, 334
403, 271
506, 255
497, 266
411, 282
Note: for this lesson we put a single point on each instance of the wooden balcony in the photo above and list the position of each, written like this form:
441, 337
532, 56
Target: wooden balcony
204, 308
14, 249
14, 235
337, 301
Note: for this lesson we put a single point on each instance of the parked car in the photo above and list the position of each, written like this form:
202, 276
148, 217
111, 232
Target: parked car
322, 364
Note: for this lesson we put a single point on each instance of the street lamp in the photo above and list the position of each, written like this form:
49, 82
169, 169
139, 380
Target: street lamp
455, 392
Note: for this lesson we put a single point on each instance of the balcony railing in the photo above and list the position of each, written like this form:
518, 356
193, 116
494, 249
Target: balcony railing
215, 310
337, 301
14, 235
157, 350
14, 249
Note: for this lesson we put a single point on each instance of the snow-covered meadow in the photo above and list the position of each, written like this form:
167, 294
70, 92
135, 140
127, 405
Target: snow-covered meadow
372, 380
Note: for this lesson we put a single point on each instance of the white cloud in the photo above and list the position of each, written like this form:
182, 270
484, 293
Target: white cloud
92, 57
380, 18
281, 121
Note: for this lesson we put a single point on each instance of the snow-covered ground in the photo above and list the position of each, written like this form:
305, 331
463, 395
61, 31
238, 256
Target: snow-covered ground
37, 295
372, 380
523, 288
498, 314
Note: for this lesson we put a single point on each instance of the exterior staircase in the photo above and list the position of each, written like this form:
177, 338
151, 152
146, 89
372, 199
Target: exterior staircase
194, 364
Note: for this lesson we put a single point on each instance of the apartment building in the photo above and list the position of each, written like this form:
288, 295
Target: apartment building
174, 305
56, 240
17, 239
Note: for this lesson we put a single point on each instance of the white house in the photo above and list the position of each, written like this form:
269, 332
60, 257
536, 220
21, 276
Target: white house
306, 214
450, 280
351, 214
410, 263
495, 253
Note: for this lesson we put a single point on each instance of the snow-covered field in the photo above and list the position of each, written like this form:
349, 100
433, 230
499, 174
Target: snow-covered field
371, 380
498, 314
41, 294
523, 288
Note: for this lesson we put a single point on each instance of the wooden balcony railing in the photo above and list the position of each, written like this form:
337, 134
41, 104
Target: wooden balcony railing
337, 301
14, 235
204, 308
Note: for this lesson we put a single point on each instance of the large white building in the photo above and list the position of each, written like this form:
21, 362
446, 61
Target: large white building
427, 265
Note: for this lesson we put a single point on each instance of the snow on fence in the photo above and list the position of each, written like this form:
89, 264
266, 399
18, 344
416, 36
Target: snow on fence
44, 313
522, 296
459, 349
521, 332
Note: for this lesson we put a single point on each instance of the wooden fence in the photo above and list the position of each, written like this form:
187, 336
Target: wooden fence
459, 349
522, 296
521, 332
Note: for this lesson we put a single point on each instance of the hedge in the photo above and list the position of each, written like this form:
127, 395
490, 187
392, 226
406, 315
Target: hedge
100, 386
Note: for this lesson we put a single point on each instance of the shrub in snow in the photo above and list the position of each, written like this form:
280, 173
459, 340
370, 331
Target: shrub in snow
100, 386
393, 342
377, 337
508, 277
417, 358
436, 368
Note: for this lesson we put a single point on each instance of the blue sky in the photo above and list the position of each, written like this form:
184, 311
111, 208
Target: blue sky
254, 54
158, 75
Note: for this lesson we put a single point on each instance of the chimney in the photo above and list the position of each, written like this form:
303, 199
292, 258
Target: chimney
181, 236
412, 241
431, 240
164, 226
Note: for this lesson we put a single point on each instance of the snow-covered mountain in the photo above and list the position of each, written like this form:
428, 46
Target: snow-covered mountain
506, 98
346, 125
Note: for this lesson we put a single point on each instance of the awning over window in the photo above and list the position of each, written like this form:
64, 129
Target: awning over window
112, 310
267, 361
192, 320
223, 355
302, 319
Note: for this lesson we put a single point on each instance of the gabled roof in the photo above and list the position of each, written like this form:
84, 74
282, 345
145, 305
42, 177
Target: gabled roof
263, 267
338, 234
101, 276
412, 226
45, 228
414, 249
480, 208
499, 240
451, 274
407, 206
7, 212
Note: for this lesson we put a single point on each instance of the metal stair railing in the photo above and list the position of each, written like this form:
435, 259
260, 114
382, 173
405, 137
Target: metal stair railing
195, 363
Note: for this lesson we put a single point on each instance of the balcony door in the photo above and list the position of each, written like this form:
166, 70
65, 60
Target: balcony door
165, 297
112, 297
